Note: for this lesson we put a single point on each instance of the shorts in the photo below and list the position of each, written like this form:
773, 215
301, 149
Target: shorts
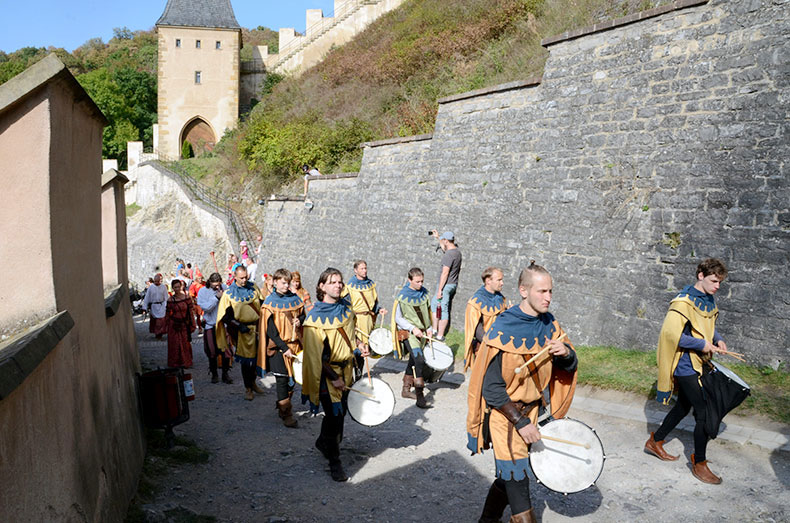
447, 301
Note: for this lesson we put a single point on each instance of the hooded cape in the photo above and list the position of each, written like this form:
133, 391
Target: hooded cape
482, 304
411, 301
323, 323
283, 308
518, 336
697, 309
246, 305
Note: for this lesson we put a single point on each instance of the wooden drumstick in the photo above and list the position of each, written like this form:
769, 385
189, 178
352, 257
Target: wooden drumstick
536, 356
560, 440
366, 394
362, 332
734, 355
367, 365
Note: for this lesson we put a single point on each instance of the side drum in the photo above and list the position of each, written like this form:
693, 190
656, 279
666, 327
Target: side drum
438, 358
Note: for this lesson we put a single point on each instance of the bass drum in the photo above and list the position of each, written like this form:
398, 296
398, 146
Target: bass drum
438, 358
371, 405
297, 367
566, 468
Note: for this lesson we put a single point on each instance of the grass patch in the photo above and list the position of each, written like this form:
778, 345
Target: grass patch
131, 209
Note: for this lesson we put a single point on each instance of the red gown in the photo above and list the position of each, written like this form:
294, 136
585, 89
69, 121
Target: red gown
180, 325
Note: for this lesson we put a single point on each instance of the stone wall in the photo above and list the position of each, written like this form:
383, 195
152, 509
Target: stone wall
650, 143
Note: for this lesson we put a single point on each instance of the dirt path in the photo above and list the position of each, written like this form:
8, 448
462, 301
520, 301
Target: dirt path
415, 467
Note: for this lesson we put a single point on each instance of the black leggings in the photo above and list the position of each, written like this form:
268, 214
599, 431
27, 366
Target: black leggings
517, 494
332, 426
283, 387
689, 395
248, 374
415, 362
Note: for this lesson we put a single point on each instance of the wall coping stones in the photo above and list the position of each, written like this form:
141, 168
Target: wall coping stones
510, 86
282, 198
393, 141
619, 22
112, 301
111, 175
337, 176
20, 355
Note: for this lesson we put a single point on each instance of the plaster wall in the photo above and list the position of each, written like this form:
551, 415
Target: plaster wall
645, 149
180, 99
113, 226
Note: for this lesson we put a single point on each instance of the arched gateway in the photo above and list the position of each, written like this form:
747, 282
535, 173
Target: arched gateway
199, 133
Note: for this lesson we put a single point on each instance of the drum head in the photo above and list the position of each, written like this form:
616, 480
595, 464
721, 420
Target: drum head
297, 366
567, 468
371, 411
730, 374
438, 357
381, 341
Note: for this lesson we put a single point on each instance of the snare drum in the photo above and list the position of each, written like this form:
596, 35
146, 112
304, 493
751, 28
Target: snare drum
380, 341
374, 405
566, 468
438, 358
297, 367
723, 390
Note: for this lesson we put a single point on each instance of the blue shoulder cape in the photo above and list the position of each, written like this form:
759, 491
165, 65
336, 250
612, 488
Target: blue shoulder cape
360, 285
409, 296
517, 331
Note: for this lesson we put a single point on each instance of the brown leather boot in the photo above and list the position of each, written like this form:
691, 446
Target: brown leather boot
408, 383
256, 389
419, 387
702, 472
524, 517
285, 411
656, 448
496, 501
248, 395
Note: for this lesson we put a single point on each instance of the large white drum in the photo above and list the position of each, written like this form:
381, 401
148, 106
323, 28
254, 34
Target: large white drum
439, 357
371, 406
380, 341
297, 367
563, 467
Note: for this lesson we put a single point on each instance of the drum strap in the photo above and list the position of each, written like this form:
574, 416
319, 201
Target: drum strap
533, 371
370, 309
345, 338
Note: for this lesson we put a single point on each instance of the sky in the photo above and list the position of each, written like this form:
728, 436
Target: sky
69, 23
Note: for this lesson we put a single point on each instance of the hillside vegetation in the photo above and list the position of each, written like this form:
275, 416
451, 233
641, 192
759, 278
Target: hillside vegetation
385, 83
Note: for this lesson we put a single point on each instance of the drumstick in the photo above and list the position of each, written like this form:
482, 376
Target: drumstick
560, 440
366, 394
536, 356
734, 355
362, 332
367, 365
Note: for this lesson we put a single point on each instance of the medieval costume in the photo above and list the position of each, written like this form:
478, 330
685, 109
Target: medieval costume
412, 310
688, 325
502, 401
328, 335
180, 321
365, 303
481, 311
155, 299
209, 303
238, 316
278, 336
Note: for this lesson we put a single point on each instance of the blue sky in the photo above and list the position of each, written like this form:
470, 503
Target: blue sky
68, 24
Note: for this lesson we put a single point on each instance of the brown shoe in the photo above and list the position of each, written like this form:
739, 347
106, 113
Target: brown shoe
248, 395
285, 411
406, 392
702, 472
256, 389
421, 403
656, 448
524, 517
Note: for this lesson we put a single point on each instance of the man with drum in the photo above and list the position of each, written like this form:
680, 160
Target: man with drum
329, 343
481, 311
282, 313
413, 319
505, 394
688, 339
362, 293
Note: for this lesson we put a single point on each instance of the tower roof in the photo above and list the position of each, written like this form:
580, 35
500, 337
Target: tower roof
199, 13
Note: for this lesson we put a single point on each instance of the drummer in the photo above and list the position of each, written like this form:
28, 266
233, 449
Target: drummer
413, 319
362, 293
481, 311
329, 342
282, 313
508, 401
688, 339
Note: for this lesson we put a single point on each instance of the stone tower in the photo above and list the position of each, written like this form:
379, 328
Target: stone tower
198, 75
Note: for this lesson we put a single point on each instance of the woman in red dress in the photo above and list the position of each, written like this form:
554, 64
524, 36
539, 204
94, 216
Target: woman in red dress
180, 321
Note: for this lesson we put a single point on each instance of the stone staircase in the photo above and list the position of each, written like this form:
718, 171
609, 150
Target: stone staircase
319, 29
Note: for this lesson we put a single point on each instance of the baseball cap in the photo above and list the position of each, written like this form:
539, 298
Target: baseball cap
447, 236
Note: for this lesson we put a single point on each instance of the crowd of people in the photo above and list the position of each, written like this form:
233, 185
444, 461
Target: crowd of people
522, 364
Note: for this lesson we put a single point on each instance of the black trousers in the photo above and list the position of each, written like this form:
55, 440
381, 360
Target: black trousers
332, 425
284, 384
517, 494
248, 373
416, 363
689, 395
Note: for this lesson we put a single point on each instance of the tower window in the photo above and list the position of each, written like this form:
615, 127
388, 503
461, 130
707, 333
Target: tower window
197, 77
178, 42
197, 44
218, 45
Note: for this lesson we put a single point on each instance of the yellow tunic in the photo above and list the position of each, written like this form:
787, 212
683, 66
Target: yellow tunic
283, 310
323, 323
363, 297
246, 305
483, 305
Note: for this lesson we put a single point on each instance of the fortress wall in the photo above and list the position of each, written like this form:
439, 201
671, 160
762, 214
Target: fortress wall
644, 149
